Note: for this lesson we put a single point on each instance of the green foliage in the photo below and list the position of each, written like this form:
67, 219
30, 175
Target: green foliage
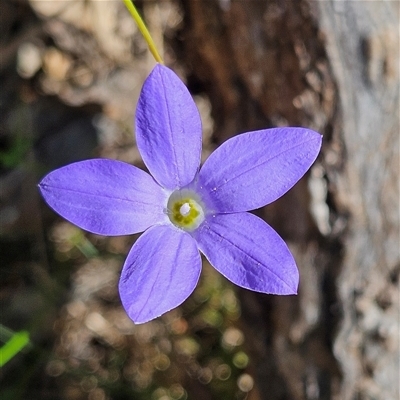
16, 153
13, 346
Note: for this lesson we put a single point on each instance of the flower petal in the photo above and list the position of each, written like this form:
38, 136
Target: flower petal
168, 129
255, 168
106, 197
248, 252
161, 271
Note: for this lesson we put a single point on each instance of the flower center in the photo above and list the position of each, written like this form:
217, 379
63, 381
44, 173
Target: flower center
185, 209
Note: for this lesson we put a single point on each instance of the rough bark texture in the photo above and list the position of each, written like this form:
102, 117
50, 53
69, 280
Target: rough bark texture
331, 66
362, 44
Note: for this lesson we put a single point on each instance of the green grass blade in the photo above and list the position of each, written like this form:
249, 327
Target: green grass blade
11, 348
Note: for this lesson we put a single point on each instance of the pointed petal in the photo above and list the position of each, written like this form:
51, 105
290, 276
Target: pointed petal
248, 252
255, 168
106, 197
160, 273
168, 129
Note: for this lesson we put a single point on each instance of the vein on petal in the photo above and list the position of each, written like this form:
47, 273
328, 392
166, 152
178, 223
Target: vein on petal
44, 186
177, 177
249, 256
264, 162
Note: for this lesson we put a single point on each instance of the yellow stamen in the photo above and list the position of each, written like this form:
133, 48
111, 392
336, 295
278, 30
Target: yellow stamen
143, 29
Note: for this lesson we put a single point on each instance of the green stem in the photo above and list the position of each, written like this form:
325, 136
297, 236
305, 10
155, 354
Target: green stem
143, 29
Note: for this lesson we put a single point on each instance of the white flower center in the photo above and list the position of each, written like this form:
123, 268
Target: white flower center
185, 209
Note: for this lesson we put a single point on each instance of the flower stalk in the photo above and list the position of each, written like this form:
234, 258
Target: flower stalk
143, 30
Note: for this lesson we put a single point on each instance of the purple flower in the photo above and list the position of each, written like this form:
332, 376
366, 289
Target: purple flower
184, 209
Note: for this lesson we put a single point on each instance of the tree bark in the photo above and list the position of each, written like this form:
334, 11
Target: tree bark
331, 66
362, 44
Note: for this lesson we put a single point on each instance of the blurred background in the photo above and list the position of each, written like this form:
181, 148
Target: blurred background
70, 76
